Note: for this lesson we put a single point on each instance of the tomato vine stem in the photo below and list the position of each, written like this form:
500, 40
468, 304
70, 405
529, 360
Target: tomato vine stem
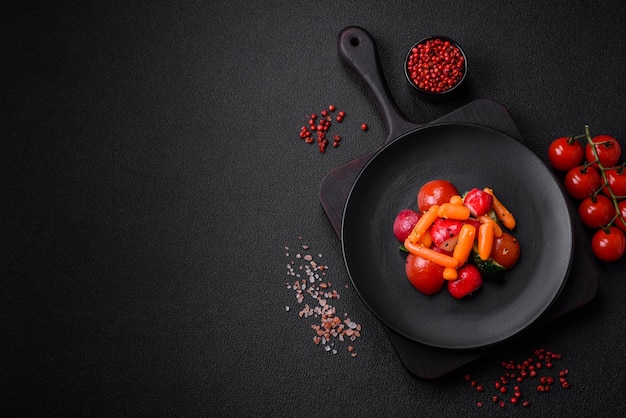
606, 184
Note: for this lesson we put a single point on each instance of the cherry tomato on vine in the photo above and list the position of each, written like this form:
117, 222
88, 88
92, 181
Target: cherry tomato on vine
616, 180
609, 245
435, 192
582, 181
565, 153
596, 211
607, 148
621, 222
424, 275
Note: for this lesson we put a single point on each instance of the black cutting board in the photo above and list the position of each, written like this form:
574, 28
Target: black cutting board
357, 49
430, 362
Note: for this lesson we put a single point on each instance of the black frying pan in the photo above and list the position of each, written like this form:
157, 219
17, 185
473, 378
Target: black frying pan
469, 156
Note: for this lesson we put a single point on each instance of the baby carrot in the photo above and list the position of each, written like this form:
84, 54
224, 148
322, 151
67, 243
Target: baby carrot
485, 240
423, 224
497, 231
503, 213
450, 273
427, 239
451, 211
456, 200
431, 255
464, 244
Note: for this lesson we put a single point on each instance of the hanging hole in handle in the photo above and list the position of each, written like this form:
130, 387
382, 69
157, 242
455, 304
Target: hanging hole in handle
355, 41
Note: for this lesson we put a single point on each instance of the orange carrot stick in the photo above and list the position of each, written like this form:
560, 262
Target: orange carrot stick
427, 239
456, 200
432, 255
450, 273
485, 240
464, 244
451, 211
423, 224
497, 231
502, 212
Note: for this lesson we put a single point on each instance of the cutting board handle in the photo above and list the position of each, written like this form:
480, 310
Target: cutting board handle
358, 51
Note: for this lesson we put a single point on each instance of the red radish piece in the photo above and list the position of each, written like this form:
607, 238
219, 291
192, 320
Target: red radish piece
478, 202
404, 223
448, 245
469, 281
474, 222
441, 250
445, 229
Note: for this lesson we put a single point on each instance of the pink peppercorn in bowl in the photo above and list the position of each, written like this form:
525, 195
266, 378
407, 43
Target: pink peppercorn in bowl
436, 66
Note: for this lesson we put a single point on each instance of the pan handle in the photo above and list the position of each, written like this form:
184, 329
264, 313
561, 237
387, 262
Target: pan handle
357, 49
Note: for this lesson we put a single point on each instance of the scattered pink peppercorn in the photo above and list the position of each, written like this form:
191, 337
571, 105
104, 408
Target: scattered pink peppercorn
319, 126
515, 376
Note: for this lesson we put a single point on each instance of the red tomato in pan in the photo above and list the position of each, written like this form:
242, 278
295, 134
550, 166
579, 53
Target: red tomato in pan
435, 192
506, 250
424, 275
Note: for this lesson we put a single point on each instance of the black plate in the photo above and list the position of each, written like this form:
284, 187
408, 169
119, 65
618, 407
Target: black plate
469, 156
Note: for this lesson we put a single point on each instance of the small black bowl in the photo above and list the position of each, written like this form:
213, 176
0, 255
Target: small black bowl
449, 76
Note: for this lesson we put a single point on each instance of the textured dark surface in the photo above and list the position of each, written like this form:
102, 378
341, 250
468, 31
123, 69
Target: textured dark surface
152, 176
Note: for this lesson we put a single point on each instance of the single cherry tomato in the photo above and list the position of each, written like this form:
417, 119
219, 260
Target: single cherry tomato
582, 181
424, 275
596, 211
506, 250
435, 192
404, 223
565, 153
607, 148
609, 245
616, 180
621, 222
469, 281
